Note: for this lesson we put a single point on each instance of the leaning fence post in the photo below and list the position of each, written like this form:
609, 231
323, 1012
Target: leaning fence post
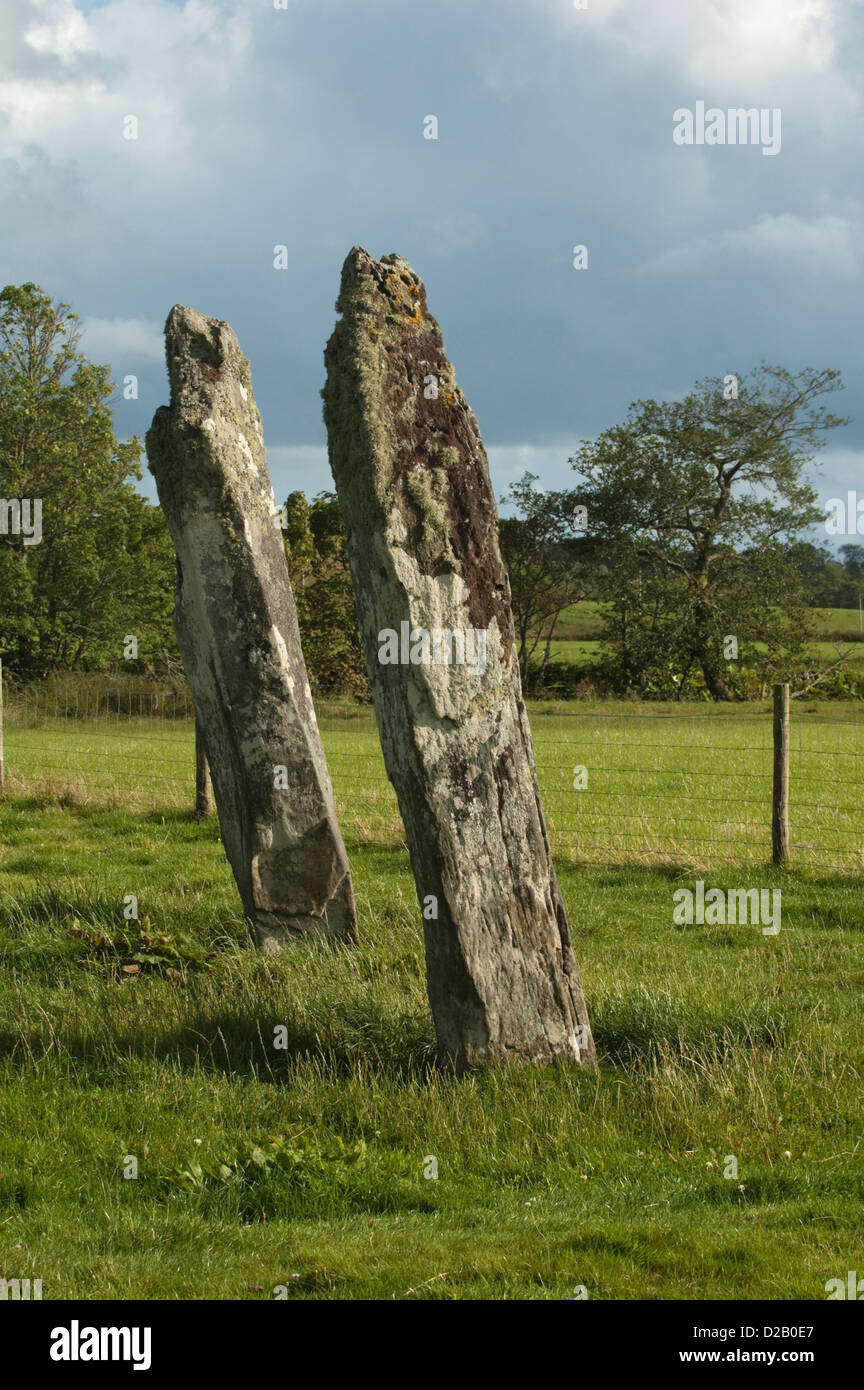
203, 789
780, 799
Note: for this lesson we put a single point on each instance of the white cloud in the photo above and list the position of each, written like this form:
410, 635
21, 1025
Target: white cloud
67, 81
60, 29
118, 341
708, 41
825, 245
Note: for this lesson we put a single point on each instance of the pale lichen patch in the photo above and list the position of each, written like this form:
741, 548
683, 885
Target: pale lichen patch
243, 446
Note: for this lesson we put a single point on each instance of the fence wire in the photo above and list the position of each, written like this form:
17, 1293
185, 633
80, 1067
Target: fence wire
638, 787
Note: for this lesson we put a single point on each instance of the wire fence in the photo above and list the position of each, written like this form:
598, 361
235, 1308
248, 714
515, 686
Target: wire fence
623, 785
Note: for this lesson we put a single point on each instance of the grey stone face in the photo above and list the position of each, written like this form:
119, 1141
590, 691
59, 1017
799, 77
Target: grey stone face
237, 629
413, 484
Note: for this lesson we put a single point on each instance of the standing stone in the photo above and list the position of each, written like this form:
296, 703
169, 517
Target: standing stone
236, 625
413, 484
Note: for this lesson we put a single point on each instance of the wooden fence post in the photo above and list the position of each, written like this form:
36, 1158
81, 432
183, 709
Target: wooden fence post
780, 799
203, 788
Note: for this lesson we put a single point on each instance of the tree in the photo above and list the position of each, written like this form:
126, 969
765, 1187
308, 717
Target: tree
546, 563
315, 540
853, 576
103, 568
694, 503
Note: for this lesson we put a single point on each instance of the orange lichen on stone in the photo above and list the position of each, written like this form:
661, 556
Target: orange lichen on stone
400, 290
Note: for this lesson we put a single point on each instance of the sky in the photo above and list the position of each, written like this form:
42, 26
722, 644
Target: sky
304, 126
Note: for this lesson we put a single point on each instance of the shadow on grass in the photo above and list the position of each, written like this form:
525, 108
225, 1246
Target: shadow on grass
634, 1039
237, 1043
49, 906
632, 1034
630, 1040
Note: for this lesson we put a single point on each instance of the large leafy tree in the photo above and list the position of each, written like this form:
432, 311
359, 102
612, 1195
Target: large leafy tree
104, 567
315, 540
694, 505
547, 564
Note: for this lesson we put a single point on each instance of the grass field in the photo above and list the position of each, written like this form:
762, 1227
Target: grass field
715, 1041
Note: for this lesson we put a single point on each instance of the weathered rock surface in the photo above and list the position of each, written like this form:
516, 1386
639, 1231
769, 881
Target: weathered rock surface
237, 629
413, 484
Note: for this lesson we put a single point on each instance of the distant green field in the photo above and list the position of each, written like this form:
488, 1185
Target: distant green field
826, 653
823, 653
579, 653
580, 621
579, 628
844, 620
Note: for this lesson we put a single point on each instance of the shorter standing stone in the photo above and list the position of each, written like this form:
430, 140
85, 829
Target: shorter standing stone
237, 629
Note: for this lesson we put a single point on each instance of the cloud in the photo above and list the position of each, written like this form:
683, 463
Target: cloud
825, 245
259, 127
60, 29
119, 341
68, 81
708, 42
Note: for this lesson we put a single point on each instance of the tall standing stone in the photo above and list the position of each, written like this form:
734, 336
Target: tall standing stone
236, 625
413, 485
